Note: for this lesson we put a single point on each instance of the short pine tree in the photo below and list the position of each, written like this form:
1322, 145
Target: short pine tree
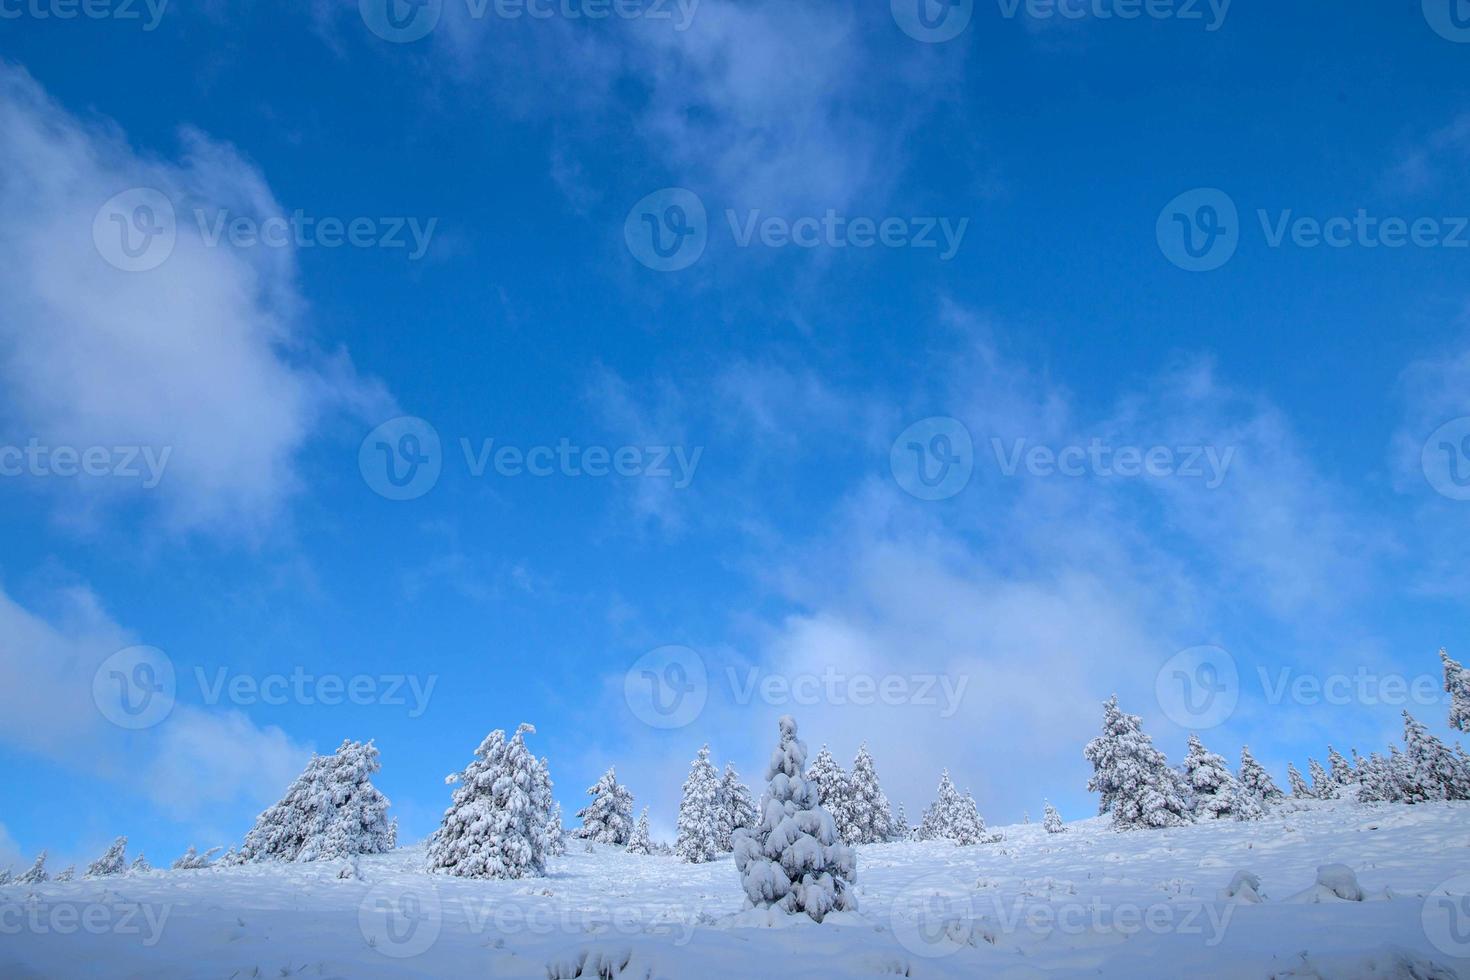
1215, 789
1323, 788
192, 860
332, 810
899, 827
793, 859
835, 791
1457, 686
67, 873
1430, 770
1051, 820
699, 813
37, 872
114, 862
737, 807
608, 819
1256, 780
952, 817
871, 818
639, 842
496, 825
556, 840
1299, 788
140, 865
1133, 778
1339, 768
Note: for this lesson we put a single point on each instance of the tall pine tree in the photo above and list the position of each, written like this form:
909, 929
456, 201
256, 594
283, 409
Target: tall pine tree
699, 813
1134, 779
495, 826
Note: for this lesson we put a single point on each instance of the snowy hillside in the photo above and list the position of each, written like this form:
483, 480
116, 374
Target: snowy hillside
1087, 902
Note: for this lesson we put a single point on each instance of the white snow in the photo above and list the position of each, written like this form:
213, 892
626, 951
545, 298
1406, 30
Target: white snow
1213, 899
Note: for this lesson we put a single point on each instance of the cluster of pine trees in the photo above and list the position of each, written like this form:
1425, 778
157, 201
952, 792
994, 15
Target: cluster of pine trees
1141, 790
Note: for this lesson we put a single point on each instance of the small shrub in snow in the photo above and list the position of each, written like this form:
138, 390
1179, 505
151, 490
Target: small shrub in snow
114, 862
67, 873
1134, 779
1051, 820
793, 859
1256, 780
1335, 883
1244, 888
37, 872
639, 842
737, 807
331, 810
699, 813
608, 819
496, 825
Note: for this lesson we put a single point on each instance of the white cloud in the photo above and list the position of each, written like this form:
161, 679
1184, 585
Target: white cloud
204, 356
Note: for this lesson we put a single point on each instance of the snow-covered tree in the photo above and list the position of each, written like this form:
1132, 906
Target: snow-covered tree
608, 819
737, 807
1430, 770
332, 810
699, 813
192, 860
140, 865
952, 817
67, 873
1339, 768
1299, 788
1051, 820
793, 859
1378, 780
37, 872
1209, 780
1323, 788
835, 791
900, 825
868, 810
556, 841
1457, 686
1134, 779
639, 842
6, 874
1256, 780
495, 826
114, 862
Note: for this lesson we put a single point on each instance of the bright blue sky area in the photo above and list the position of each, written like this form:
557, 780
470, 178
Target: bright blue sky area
794, 549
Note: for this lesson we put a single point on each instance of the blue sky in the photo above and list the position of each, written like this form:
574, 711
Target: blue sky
528, 153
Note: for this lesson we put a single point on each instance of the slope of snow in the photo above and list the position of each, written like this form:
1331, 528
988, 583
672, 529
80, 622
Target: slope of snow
1088, 902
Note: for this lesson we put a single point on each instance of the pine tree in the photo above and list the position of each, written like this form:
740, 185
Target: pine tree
6, 876
1377, 781
1457, 686
793, 859
608, 819
1051, 820
835, 792
1134, 779
1430, 770
140, 865
1323, 788
952, 817
737, 807
332, 810
868, 809
192, 860
639, 843
556, 841
1256, 780
114, 862
900, 825
1338, 767
1299, 787
37, 872
496, 825
699, 813
1214, 789
67, 873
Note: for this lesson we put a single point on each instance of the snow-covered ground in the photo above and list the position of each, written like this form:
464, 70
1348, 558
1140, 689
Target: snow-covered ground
1090, 902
